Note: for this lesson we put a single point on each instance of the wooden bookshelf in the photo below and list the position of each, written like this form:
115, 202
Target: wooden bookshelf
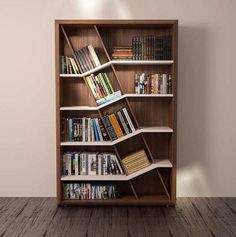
153, 115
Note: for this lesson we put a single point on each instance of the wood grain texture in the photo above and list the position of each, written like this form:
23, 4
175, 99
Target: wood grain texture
195, 217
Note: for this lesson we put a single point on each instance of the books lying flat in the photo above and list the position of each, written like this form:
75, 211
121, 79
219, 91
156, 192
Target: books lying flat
135, 161
108, 98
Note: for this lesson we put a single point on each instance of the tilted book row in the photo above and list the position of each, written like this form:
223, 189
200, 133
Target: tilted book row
83, 130
88, 163
151, 47
153, 83
68, 65
101, 88
90, 191
118, 124
87, 58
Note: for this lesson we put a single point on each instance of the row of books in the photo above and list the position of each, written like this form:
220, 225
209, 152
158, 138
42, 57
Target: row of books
122, 52
153, 83
68, 65
101, 88
90, 163
83, 129
151, 47
118, 124
90, 191
87, 58
135, 161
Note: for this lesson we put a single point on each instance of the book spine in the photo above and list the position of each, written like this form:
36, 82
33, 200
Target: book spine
115, 125
123, 122
94, 55
98, 129
100, 77
109, 127
108, 83
128, 119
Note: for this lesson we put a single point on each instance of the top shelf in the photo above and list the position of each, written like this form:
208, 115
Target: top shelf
120, 62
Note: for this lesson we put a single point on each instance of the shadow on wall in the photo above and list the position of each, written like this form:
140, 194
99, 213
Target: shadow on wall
192, 129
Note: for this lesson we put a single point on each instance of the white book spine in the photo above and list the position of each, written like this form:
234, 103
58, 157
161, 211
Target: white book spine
83, 129
118, 164
92, 130
76, 164
129, 120
89, 128
164, 82
123, 122
68, 163
94, 55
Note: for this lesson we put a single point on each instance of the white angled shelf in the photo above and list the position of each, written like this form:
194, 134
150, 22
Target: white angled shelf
93, 107
87, 108
161, 163
120, 62
121, 139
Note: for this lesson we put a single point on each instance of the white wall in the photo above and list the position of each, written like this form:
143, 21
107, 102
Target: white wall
206, 99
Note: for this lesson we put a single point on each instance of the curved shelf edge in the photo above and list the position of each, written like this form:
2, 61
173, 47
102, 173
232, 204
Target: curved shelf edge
161, 163
120, 62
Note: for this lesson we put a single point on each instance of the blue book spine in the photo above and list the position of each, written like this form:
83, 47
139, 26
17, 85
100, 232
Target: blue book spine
95, 131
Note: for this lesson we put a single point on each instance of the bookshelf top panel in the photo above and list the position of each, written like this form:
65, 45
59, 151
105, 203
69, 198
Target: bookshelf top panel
118, 23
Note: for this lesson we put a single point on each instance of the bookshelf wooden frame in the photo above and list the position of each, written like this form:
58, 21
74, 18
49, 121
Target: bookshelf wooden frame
155, 129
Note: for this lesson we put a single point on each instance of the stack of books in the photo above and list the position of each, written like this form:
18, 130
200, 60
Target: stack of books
118, 124
122, 53
87, 58
151, 47
90, 191
135, 161
153, 83
101, 88
68, 65
83, 129
89, 163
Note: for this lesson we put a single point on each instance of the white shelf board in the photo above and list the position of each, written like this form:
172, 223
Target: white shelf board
93, 107
120, 62
149, 95
162, 163
87, 108
121, 139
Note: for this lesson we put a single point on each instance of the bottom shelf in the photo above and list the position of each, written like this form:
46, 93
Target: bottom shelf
129, 200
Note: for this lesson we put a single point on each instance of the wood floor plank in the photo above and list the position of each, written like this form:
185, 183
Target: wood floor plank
23, 220
135, 223
151, 225
40, 217
118, 222
215, 224
10, 213
223, 213
193, 222
175, 221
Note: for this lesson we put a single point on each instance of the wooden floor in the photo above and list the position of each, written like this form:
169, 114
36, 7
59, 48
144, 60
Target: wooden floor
191, 217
